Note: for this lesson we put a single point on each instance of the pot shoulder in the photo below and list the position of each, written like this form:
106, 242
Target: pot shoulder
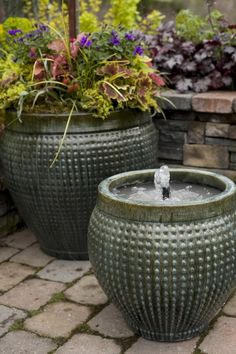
79, 122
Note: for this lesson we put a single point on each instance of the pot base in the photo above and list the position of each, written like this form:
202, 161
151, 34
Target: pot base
67, 255
167, 337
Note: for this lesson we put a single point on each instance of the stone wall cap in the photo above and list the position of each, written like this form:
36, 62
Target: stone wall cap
209, 102
177, 101
214, 102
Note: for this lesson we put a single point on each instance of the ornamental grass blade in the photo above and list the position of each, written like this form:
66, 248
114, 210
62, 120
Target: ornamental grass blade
64, 135
21, 104
39, 93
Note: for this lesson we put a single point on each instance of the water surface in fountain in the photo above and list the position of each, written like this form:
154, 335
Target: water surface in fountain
162, 189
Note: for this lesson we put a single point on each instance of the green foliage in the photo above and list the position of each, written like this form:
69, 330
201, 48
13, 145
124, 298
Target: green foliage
189, 26
99, 73
92, 100
12, 23
48, 11
9, 70
11, 81
124, 13
30, 45
195, 28
89, 10
89, 22
215, 16
10, 95
151, 22
119, 12
21, 23
115, 74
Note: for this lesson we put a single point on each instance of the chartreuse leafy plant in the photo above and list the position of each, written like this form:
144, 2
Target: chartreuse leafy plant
46, 11
10, 87
92, 16
89, 12
120, 12
151, 22
99, 72
123, 12
12, 24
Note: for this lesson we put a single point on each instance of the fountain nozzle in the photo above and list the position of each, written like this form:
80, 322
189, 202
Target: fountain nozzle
165, 193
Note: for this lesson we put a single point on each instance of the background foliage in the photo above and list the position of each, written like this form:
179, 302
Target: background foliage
168, 7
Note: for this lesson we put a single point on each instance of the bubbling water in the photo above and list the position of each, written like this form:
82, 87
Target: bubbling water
162, 181
161, 189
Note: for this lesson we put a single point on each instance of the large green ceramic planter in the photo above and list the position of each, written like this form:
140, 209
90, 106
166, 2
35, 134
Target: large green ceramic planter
56, 202
168, 268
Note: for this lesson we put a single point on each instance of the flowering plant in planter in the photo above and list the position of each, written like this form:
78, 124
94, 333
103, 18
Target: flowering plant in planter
99, 72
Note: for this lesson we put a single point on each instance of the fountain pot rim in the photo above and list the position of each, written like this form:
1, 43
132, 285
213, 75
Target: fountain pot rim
172, 211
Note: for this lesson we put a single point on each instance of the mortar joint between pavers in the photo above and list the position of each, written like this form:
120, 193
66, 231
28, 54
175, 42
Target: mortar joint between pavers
126, 342
95, 309
205, 333
17, 325
227, 315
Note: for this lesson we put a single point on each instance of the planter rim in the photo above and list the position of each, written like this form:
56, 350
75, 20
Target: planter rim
171, 211
80, 121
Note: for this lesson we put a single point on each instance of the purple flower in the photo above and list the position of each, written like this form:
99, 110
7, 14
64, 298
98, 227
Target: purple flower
13, 32
114, 33
29, 35
130, 36
88, 43
43, 27
138, 50
34, 34
85, 42
115, 40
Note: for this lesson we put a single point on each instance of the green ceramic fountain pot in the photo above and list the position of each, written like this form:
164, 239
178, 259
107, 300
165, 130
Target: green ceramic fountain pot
56, 202
168, 268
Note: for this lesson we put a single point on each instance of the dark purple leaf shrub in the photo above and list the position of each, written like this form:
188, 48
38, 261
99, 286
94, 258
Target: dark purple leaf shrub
208, 65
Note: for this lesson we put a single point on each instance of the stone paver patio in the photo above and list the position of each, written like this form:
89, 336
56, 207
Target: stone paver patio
55, 306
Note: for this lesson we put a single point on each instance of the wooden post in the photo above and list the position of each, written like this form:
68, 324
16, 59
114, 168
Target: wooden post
73, 6
2, 12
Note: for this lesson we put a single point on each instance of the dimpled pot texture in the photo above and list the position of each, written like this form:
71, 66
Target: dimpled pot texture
56, 202
168, 268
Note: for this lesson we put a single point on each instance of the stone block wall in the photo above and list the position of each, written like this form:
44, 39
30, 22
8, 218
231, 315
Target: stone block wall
9, 217
199, 131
